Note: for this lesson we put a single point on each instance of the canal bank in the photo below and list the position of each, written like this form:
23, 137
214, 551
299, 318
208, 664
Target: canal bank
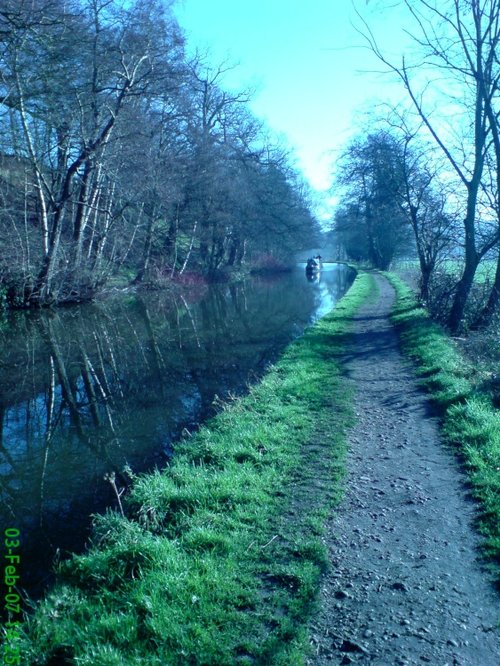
217, 559
92, 392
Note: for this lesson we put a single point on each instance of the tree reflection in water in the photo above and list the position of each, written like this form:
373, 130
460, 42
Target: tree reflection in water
89, 391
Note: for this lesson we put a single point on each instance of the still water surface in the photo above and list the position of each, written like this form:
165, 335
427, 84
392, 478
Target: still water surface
86, 391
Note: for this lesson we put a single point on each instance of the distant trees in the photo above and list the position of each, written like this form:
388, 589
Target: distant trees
370, 218
118, 153
454, 92
392, 202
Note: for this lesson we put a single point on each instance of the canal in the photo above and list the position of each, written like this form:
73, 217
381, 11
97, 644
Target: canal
92, 394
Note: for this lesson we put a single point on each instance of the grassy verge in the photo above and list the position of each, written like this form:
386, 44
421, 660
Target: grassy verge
219, 556
471, 423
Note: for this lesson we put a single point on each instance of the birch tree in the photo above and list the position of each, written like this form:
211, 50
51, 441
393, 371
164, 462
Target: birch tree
69, 71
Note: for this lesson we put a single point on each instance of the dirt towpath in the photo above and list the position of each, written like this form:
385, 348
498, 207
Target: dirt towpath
405, 586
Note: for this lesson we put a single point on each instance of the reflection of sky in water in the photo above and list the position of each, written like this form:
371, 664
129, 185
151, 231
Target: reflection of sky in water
88, 390
326, 285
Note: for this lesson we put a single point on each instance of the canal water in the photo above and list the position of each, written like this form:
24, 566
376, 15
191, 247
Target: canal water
91, 391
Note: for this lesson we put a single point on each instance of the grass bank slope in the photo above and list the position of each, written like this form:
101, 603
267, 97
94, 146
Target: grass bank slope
218, 557
471, 423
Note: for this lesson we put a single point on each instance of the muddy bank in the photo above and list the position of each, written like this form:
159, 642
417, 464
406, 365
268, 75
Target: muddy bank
405, 585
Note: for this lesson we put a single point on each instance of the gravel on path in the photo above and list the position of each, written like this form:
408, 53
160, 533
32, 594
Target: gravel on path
405, 585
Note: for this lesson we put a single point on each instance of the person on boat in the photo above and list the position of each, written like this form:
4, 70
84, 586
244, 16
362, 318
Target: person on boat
311, 263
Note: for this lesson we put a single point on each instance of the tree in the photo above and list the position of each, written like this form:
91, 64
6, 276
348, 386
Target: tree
370, 218
423, 198
117, 154
69, 70
220, 132
459, 39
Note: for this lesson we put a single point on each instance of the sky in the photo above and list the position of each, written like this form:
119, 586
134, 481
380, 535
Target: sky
313, 77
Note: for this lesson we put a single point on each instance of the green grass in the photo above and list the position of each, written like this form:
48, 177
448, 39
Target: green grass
219, 557
471, 423
485, 271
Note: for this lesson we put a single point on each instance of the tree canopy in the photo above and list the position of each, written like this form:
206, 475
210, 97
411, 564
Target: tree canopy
120, 154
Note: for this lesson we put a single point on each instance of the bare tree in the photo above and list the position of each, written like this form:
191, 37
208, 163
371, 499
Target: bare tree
460, 41
68, 76
371, 218
423, 197
117, 154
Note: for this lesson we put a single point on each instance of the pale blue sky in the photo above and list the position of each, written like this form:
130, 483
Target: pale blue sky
305, 58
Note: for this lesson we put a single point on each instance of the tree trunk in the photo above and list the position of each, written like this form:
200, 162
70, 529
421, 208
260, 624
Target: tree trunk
241, 253
461, 295
191, 243
471, 254
171, 240
233, 251
425, 277
486, 315
146, 254
45, 277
